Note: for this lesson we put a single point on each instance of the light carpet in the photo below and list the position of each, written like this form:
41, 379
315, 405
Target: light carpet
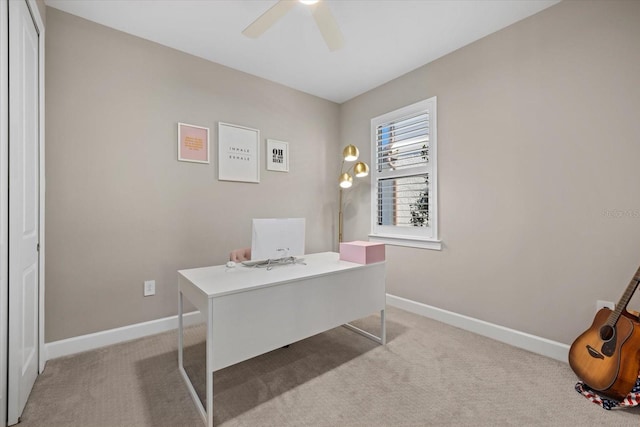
428, 374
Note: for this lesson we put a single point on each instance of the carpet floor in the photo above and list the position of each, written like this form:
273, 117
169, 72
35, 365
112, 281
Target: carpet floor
428, 374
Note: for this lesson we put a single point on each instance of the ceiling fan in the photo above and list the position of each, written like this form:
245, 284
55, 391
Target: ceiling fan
320, 11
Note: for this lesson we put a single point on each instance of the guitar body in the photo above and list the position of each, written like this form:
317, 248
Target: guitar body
607, 358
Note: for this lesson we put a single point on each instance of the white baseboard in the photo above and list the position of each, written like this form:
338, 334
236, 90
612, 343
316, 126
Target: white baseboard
535, 344
87, 342
532, 343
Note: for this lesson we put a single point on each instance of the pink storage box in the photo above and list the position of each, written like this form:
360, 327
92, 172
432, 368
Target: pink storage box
362, 252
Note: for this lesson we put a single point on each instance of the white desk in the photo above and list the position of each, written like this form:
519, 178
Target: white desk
251, 311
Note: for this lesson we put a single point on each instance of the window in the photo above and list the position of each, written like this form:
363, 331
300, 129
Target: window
404, 187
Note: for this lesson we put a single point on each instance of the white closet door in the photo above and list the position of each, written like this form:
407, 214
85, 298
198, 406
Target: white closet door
24, 134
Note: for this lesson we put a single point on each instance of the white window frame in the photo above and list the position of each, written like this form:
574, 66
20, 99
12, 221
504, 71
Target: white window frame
418, 237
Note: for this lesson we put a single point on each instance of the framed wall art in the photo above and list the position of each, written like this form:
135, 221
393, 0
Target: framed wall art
238, 153
277, 155
193, 143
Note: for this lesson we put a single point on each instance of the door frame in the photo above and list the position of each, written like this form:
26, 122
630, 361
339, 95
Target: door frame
5, 265
4, 207
42, 356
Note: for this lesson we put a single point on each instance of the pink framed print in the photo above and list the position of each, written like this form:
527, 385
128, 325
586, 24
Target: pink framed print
193, 143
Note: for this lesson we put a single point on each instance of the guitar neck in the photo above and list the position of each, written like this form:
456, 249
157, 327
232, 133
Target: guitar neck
624, 300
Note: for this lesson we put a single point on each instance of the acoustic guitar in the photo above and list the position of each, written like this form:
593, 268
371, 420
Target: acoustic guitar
607, 355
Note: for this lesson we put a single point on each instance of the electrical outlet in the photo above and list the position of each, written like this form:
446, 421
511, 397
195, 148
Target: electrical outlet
149, 288
602, 304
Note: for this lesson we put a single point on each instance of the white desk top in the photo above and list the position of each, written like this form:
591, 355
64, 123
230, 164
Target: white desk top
220, 280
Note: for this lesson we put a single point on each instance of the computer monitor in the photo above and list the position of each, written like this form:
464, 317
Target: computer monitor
275, 238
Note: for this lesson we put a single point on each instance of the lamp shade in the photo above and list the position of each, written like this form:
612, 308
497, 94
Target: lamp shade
361, 169
346, 180
350, 153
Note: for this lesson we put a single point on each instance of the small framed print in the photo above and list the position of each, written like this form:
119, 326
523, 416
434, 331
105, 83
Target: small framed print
277, 155
238, 153
193, 143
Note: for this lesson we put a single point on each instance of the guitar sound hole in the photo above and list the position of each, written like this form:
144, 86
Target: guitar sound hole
606, 333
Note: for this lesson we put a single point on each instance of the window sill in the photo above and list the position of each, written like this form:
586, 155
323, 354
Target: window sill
407, 241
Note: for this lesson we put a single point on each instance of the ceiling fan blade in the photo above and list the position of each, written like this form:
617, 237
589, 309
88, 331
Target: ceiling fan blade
328, 26
267, 19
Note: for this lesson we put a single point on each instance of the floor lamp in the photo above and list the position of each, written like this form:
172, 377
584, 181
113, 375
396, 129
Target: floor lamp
359, 169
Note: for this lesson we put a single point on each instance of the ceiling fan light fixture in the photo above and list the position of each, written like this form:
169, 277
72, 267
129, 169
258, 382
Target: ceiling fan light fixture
325, 21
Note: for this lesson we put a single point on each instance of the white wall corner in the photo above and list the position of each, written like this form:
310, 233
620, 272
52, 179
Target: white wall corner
532, 343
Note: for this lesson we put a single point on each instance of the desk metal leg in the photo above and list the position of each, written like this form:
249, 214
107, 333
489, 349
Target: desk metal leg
185, 377
180, 331
383, 327
210, 364
382, 339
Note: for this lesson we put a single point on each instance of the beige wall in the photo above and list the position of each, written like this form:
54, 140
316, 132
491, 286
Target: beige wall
120, 209
538, 147
539, 144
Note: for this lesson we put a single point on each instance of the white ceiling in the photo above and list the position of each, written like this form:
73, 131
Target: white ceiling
384, 39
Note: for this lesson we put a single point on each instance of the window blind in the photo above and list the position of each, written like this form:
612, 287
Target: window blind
404, 201
403, 143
